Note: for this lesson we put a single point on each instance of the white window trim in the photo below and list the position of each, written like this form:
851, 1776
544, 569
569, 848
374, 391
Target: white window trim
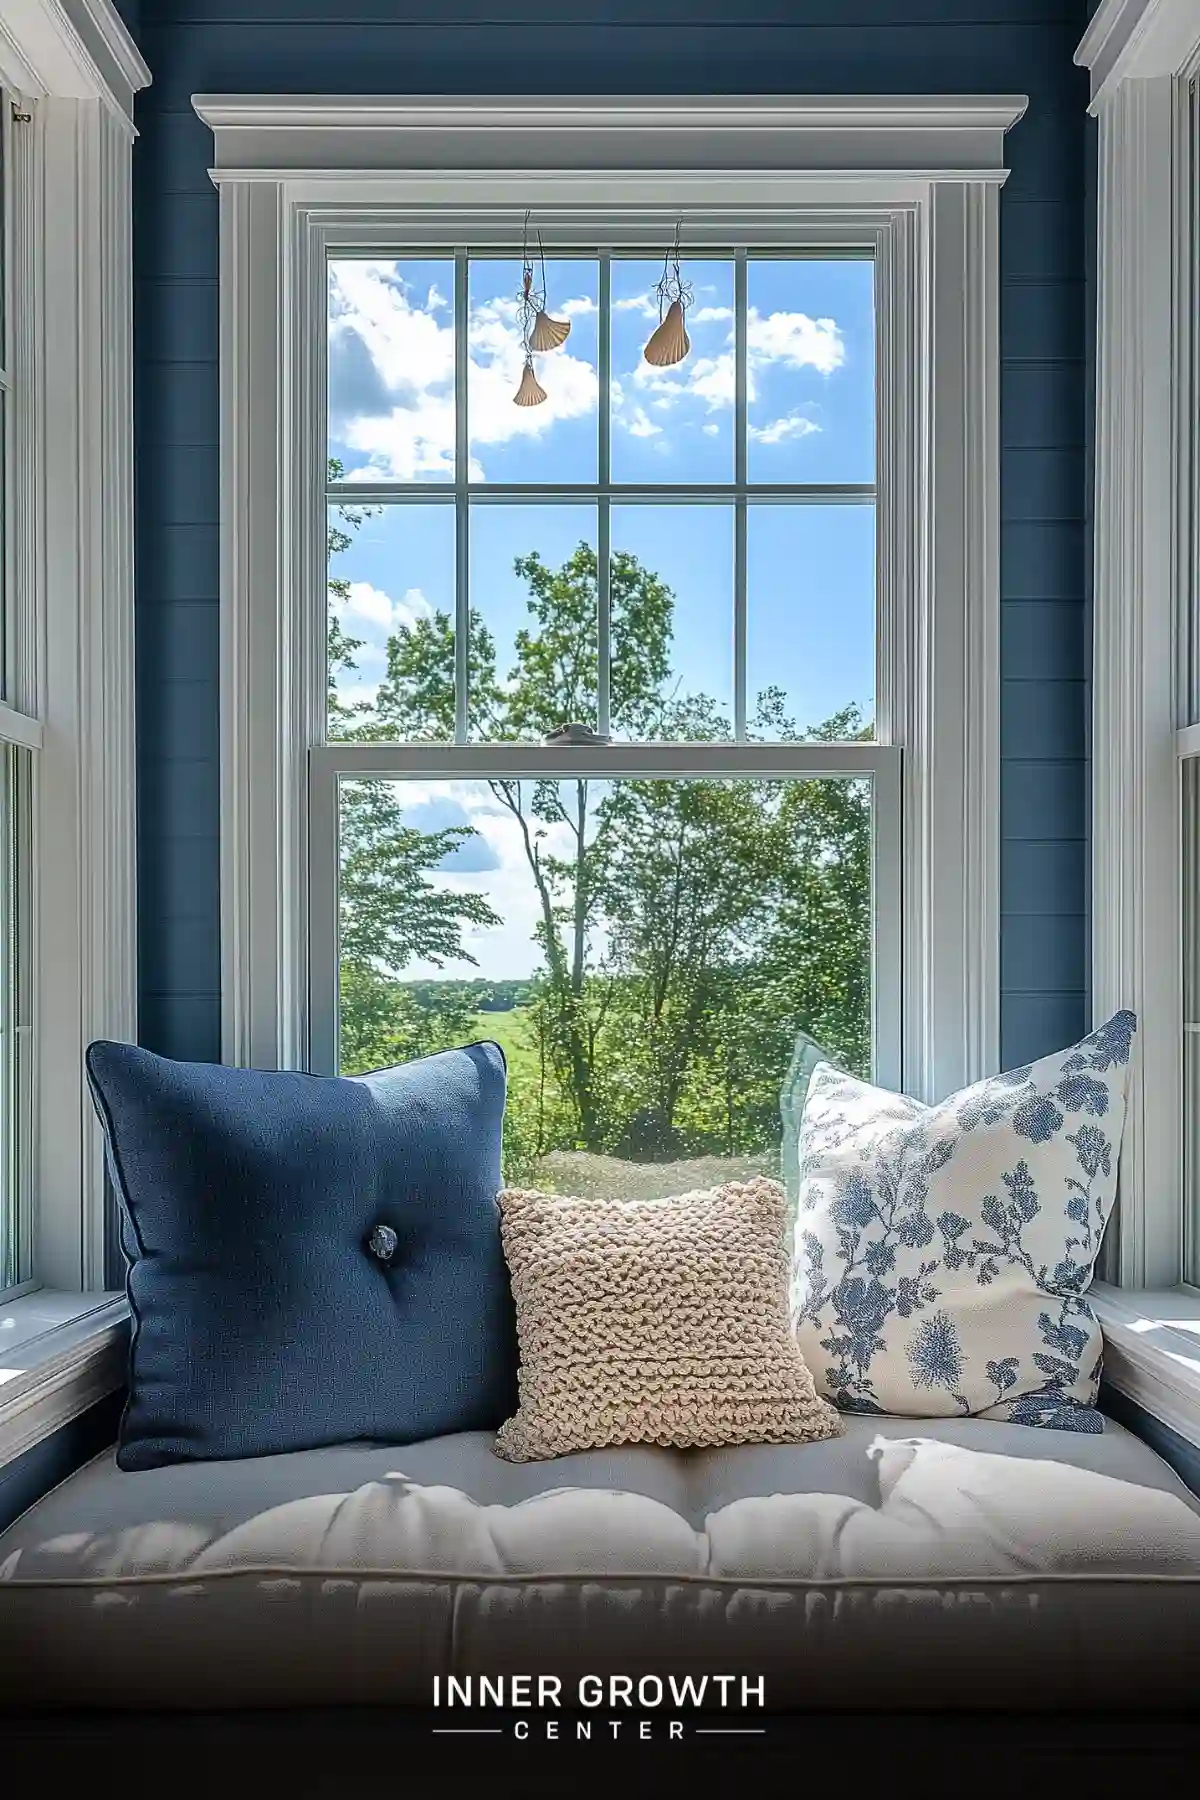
76, 70
1139, 52
925, 173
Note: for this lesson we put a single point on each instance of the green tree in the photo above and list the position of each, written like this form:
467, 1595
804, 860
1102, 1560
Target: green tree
554, 678
390, 912
688, 929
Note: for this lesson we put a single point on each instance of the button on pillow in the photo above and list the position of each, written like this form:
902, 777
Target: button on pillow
312, 1259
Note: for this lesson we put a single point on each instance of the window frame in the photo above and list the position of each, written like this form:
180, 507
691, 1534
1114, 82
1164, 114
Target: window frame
332, 760
70, 698
1142, 55
919, 178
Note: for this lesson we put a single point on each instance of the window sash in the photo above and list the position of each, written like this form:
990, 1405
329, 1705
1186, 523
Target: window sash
603, 493
881, 764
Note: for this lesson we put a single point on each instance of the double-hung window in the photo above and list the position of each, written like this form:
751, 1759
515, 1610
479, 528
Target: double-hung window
650, 729
20, 742
677, 564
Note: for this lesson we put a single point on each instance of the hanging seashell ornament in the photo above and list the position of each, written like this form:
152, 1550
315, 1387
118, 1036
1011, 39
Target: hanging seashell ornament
539, 332
669, 342
548, 333
531, 392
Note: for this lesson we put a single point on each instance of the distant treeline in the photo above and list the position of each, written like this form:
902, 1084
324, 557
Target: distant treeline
477, 996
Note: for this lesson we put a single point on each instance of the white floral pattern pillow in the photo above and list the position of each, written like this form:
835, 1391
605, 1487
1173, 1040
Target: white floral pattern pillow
942, 1253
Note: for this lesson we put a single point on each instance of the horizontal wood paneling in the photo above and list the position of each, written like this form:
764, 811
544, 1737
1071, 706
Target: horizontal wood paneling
619, 46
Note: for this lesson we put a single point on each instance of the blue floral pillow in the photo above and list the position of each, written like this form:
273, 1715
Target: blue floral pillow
942, 1253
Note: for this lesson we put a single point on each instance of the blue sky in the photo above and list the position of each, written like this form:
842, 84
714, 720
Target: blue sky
810, 622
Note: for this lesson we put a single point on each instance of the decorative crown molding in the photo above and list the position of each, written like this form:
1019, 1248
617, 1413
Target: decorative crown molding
271, 136
72, 50
1138, 39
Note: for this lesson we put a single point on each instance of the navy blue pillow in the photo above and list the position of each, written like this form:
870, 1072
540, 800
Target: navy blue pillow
313, 1259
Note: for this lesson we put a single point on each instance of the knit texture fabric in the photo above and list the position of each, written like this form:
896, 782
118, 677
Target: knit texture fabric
655, 1322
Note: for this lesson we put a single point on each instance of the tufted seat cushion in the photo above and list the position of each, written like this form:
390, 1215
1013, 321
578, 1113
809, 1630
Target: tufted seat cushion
970, 1564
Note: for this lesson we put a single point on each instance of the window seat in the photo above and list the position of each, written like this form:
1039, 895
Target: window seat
354, 1575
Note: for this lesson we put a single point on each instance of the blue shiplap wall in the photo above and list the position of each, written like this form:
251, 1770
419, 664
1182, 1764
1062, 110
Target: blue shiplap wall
617, 46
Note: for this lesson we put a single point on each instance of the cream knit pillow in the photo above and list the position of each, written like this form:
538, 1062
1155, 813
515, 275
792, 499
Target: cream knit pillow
655, 1322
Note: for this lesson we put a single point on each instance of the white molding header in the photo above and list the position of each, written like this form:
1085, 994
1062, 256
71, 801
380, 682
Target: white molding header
71, 50
274, 138
1138, 40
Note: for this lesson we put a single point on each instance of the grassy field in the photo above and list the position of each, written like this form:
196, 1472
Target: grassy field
511, 1030
585, 1173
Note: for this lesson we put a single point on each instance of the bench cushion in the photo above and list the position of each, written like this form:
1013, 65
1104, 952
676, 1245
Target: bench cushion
966, 1563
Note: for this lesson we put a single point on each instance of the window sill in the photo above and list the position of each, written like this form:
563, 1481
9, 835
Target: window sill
1152, 1351
59, 1354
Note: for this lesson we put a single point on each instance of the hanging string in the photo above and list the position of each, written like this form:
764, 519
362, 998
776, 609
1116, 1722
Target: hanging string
530, 300
672, 286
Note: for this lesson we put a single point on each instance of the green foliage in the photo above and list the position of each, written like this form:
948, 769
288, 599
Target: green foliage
689, 932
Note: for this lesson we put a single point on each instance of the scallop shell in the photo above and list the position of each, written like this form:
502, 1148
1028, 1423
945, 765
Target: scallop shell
531, 392
548, 333
669, 342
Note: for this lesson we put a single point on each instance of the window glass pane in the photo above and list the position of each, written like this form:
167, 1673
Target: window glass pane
533, 619
640, 1061
672, 622
810, 365
391, 369
16, 1064
391, 621
673, 424
556, 440
810, 621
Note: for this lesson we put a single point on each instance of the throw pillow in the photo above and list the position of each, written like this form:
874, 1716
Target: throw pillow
655, 1322
942, 1253
312, 1259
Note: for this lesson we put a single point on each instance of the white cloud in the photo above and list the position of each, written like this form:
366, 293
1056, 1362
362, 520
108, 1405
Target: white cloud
795, 340
711, 430
403, 429
640, 425
509, 950
791, 425
370, 606
781, 339
408, 433
638, 303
